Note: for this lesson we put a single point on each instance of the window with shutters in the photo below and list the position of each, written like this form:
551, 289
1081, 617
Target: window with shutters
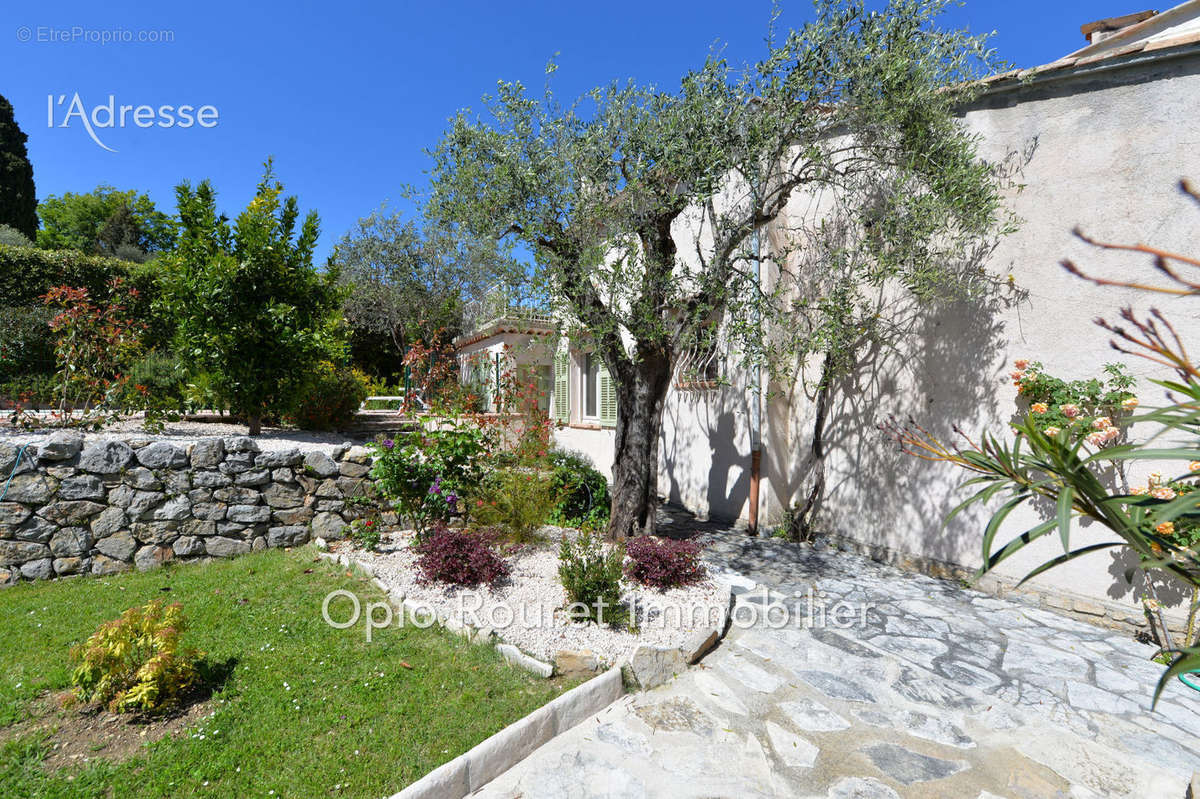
562, 398
608, 398
591, 386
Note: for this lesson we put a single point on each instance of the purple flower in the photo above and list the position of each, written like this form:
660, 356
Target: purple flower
388, 443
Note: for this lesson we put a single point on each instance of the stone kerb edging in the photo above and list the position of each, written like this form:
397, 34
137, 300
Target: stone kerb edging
485, 762
648, 666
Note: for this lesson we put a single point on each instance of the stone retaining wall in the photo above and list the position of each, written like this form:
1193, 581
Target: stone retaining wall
121, 504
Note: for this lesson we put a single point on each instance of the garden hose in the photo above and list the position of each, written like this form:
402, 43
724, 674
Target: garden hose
16, 464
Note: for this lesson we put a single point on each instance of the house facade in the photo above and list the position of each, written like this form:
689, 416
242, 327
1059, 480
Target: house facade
1105, 135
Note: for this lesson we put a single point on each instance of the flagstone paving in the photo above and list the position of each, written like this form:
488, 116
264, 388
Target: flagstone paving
934, 691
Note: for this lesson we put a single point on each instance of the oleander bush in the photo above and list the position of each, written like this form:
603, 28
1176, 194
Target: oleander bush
136, 663
590, 572
460, 558
663, 563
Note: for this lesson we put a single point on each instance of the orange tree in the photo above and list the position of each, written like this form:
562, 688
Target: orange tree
251, 310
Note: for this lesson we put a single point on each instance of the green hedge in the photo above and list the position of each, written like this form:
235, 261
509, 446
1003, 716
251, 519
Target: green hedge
26, 273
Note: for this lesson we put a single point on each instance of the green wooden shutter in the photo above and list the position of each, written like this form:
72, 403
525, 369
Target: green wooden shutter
562, 405
608, 397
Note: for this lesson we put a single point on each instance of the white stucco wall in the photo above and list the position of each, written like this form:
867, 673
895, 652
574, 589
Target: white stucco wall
1107, 158
1108, 149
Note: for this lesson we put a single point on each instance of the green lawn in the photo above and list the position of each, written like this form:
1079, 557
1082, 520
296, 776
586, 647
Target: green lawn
308, 710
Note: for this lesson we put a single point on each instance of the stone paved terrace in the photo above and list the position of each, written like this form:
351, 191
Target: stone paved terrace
944, 692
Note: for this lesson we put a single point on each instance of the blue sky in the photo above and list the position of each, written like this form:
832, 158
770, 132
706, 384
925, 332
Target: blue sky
346, 95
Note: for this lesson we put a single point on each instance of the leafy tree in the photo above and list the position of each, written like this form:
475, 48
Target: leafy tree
643, 208
18, 197
252, 311
407, 283
105, 221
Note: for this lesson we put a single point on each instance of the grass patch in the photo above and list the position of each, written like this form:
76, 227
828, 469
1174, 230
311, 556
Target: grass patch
306, 710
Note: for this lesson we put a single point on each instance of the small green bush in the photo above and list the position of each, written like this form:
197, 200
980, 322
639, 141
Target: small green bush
329, 398
581, 490
26, 341
518, 501
135, 663
365, 533
157, 380
591, 575
33, 391
12, 237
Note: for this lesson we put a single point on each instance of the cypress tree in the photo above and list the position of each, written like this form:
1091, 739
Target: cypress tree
18, 198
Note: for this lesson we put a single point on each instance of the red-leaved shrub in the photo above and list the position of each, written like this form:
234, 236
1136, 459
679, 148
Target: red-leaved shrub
459, 558
663, 563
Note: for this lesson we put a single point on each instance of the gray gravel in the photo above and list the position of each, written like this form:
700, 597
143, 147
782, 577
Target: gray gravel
184, 433
533, 598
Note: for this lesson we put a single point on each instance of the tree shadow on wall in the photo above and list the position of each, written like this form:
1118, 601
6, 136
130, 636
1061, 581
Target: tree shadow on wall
706, 422
940, 366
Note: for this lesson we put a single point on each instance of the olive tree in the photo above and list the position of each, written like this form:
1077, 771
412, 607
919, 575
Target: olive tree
407, 282
642, 207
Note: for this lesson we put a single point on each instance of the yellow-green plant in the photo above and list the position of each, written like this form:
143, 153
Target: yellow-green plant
519, 501
135, 662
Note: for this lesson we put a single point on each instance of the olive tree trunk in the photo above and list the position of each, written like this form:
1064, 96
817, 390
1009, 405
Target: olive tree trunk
640, 401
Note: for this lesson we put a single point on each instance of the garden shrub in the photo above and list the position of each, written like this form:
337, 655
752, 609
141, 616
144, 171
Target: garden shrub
96, 340
135, 662
12, 237
365, 533
1092, 408
591, 575
26, 342
30, 391
459, 557
27, 273
581, 489
424, 472
519, 501
156, 380
329, 397
663, 563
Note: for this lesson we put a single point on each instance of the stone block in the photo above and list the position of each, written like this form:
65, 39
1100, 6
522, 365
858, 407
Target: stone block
207, 453
32, 488
70, 512
118, 546
62, 445
70, 542
82, 486
106, 457
162, 455
222, 547
319, 464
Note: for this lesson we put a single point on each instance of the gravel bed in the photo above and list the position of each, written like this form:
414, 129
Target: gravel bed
533, 598
184, 433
